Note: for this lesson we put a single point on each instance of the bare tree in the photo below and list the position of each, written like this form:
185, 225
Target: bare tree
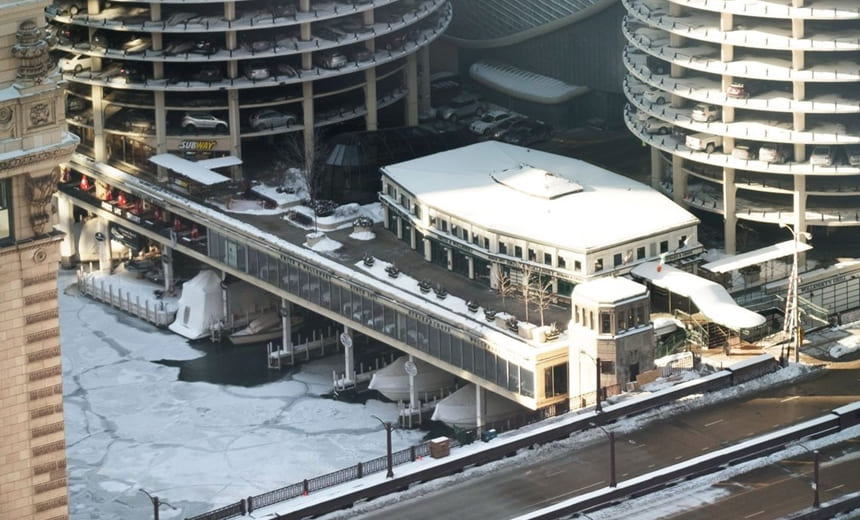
526, 282
542, 296
310, 160
505, 285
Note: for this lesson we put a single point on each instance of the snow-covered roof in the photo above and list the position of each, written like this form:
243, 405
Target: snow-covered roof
609, 290
523, 84
607, 211
199, 172
711, 298
757, 256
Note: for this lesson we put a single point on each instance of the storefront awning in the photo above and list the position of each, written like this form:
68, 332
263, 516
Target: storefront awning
200, 171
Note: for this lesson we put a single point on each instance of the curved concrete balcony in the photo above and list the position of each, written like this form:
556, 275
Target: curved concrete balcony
118, 18
705, 26
705, 58
821, 10
704, 90
674, 144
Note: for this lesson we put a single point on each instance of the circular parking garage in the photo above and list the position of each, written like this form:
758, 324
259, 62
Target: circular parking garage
207, 79
750, 110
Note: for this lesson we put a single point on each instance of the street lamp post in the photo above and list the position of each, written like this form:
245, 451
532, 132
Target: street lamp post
792, 315
156, 503
597, 387
816, 463
612, 480
387, 426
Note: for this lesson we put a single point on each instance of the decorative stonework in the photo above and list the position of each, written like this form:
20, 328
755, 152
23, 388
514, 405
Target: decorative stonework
41, 316
43, 334
44, 449
40, 115
39, 192
34, 62
45, 353
54, 156
45, 373
40, 297
39, 256
47, 391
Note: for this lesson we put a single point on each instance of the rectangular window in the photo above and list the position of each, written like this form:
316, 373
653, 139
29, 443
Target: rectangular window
547, 259
640, 315
576, 313
598, 265
486, 243
682, 242
443, 225
577, 265
562, 264
605, 323
416, 210
518, 251
607, 367
664, 246
6, 226
503, 249
617, 259
653, 248
455, 230
640, 253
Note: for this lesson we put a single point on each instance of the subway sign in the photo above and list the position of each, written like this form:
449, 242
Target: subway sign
197, 146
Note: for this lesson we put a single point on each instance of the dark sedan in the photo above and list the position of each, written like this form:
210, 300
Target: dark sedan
528, 133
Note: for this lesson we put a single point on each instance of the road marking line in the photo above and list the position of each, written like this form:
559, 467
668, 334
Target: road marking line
792, 398
754, 514
708, 425
835, 488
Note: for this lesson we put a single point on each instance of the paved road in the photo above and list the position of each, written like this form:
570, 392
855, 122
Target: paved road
511, 491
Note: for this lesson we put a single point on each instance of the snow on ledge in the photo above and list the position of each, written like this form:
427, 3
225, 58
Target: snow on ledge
523, 84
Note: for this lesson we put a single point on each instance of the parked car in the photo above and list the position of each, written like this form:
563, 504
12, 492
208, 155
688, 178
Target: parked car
181, 17
209, 73
286, 70
359, 53
256, 70
705, 113
255, 44
101, 40
138, 121
745, 151
281, 8
354, 26
655, 95
178, 47
741, 89
703, 142
330, 59
136, 44
75, 103
821, 156
852, 151
75, 64
656, 65
461, 106
507, 124
329, 32
205, 46
657, 126
194, 121
268, 118
528, 133
73, 8
393, 42
774, 153
487, 122
132, 73
72, 34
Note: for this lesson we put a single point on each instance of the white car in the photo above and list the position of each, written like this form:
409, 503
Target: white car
75, 64
657, 126
821, 156
194, 121
488, 121
655, 95
265, 119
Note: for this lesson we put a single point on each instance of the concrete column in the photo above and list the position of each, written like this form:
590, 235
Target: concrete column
105, 253
160, 129
726, 22
348, 354
799, 209
413, 392
413, 242
729, 211
399, 228
93, 7
798, 60
727, 52
371, 118
449, 252
411, 115
480, 406
799, 121
235, 128
99, 148
424, 101
656, 168
428, 253
167, 269
66, 224
225, 309
679, 181
728, 114
155, 14
798, 28
308, 118
728, 145
799, 90
471, 261
386, 216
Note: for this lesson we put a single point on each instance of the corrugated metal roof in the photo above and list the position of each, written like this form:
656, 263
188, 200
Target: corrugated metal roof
492, 19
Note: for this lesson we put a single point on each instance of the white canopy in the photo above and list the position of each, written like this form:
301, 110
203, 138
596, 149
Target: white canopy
711, 298
757, 256
199, 171
523, 84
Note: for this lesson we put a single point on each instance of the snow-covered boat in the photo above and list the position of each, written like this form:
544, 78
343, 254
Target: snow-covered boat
459, 409
201, 305
265, 328
392, 381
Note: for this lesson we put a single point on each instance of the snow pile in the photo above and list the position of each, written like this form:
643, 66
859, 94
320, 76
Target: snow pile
321, 243
844, 346
363, 235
